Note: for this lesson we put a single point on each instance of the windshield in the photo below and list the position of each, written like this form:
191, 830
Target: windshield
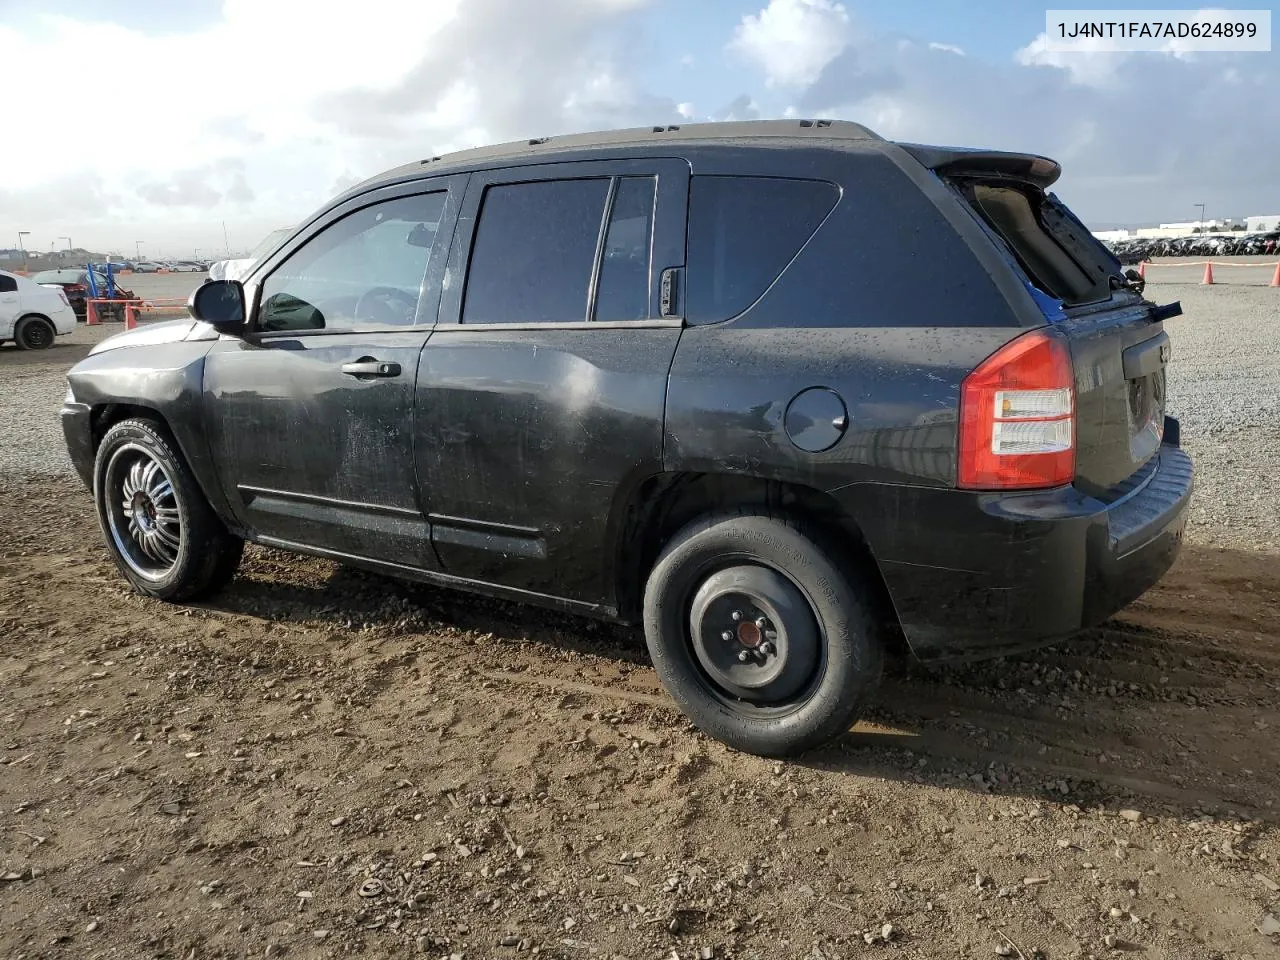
269, 243
51, 276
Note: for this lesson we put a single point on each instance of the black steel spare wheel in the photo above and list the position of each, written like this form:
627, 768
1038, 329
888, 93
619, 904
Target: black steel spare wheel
759, 635
754, 633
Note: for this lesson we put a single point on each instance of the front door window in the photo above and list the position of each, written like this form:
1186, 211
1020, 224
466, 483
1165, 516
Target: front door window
364, 271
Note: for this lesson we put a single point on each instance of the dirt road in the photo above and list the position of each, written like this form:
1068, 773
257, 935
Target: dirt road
324, 763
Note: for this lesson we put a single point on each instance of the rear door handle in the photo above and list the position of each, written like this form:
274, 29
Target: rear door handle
368, 367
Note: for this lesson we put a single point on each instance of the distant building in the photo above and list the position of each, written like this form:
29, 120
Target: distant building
1111, 236
1262, 224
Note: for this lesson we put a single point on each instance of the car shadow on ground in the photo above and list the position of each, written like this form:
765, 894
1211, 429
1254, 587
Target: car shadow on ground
1167, 702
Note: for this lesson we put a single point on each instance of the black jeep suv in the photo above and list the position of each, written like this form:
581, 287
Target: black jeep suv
775, 389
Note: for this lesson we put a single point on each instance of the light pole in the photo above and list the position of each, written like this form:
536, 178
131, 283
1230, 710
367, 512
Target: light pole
68, 239
137, 250
22, 249
1201, 206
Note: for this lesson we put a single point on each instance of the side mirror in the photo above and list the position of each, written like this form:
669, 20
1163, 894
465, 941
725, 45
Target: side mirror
219, 303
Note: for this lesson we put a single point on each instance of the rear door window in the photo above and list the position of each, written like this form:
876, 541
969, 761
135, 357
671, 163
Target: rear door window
743, 231
534, 252
7, 284
622, 292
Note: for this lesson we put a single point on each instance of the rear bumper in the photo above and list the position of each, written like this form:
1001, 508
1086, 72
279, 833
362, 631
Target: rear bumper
975, 575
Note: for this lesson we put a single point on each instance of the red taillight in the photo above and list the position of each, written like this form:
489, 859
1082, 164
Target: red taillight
1017, 417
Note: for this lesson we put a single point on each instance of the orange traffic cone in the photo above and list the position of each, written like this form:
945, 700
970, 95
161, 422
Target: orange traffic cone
1275, 277
1208, 272
130, 316
1142, 269
91, 313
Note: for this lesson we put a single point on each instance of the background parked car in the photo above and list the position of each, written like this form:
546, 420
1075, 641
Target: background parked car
186, 266
32, 315
148, 266
75, 284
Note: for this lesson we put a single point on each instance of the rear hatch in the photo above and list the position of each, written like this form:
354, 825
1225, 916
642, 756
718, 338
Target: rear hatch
1118, 345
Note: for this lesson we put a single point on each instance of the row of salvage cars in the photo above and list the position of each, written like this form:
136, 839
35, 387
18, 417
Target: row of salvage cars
1202, 245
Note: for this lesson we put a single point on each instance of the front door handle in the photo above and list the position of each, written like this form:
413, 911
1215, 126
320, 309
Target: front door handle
368, 367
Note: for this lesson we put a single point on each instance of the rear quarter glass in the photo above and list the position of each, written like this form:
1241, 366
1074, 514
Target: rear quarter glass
885, 256
743, 231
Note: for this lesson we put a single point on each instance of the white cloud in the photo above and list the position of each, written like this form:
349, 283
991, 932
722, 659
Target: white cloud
259, 117
1089, 64
1139, 135
256, 117
792, 40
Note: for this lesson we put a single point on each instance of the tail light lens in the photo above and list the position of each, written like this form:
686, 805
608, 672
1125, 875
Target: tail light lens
1017, 417
63, 294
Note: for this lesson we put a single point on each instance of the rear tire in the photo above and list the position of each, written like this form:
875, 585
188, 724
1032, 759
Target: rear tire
34, 333
759, 636
159, 528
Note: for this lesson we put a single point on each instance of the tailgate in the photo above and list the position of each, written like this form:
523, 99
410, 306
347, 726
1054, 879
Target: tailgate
1119, 357
1118, 346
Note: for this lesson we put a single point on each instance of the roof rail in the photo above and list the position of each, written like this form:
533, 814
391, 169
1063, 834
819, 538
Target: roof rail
717, 131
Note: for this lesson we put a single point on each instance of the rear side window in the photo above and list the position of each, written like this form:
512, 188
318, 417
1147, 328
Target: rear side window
535, 251
7, 284
743, 231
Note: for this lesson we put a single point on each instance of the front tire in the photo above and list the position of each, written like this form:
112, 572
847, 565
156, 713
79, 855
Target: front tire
759, 636
34, 333
162, 534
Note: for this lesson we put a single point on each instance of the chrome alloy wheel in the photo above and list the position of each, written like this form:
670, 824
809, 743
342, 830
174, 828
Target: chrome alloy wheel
142, 512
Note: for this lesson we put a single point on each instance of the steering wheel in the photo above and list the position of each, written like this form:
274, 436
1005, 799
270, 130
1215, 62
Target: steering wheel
386, 305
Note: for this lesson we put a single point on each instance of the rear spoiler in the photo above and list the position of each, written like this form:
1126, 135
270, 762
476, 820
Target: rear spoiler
960, 160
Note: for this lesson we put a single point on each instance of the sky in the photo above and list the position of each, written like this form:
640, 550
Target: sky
148, 126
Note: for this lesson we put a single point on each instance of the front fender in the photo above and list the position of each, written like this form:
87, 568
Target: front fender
166, 378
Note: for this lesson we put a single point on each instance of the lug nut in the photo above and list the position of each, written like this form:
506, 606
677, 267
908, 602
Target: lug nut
736, 615
744, 656
761, 622
767, 648
727, 636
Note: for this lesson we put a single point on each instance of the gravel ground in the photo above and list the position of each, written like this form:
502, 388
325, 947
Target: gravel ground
32, 385
323, 763
1224, 384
